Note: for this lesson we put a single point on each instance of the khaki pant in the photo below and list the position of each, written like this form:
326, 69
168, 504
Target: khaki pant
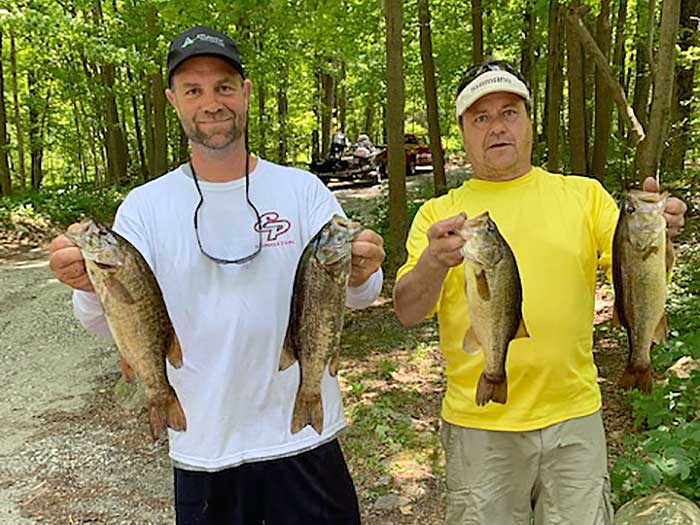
500, 478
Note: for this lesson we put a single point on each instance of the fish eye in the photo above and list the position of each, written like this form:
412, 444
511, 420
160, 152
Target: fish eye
629, 208
490, 226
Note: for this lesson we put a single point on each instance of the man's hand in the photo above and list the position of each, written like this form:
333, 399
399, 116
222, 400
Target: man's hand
67, 264
367, 256
675, 208
444, 247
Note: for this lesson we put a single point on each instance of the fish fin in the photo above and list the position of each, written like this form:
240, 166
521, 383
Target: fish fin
482, 286
308, 410
488, 390
118, 291
127, 371
287, 357
522, 330
670, 256
471, 344
661, 332
636, 378
166, 412
651, 250
174, 351
333, 365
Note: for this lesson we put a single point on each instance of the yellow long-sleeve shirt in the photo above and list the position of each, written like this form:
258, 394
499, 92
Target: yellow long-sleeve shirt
560, 230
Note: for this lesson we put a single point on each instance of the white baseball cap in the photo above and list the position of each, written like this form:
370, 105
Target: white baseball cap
491, 81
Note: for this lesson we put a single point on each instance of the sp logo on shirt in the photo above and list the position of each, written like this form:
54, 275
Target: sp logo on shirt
271, 226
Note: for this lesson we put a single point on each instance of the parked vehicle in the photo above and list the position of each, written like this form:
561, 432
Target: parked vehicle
348, 161
417, 151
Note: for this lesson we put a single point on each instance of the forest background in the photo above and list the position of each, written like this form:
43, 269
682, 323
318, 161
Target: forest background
615, 86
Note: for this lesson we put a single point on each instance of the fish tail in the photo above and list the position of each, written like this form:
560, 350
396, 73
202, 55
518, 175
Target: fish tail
166, 412
637, 378
308, 410
489, 390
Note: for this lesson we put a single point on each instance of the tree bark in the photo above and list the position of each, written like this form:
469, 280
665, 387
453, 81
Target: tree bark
5, 179
426, 49
477, 32
36, 149
529, 71
137, 128
282, 112
262, 124
642, 85
576, 24
160, 139
578, 138
398, 220
19, 129
689, 37
554, 87
116, 145
327, 88
603, 96
650, 149
619, 52
342, 100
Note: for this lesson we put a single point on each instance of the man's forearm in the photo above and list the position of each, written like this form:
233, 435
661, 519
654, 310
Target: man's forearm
417, 292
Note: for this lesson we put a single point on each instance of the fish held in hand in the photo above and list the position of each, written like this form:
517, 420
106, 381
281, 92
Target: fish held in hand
137, 317
494, 300
316, 316
642, 255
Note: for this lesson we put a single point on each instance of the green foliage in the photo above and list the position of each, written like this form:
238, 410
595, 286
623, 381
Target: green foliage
61, 206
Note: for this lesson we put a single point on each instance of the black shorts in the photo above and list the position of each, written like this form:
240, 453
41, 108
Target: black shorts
312, 488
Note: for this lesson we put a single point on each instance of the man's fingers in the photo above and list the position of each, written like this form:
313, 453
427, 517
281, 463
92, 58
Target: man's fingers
65, 257
446, 226
650, 184
675, 206
60, 243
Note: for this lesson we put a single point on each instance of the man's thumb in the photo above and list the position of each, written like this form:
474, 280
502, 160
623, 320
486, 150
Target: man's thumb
650, 184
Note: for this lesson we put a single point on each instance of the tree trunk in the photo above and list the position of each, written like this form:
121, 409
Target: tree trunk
369, 121
477, 33
327, 88
282, 112
148, 125
36, 148
603, 96
529, 71
674, 155
342, 100
5, 179
160, 138
578, 139
137, 128
642, 85
116, 145
554, 87
650, 149
619, 51
19, 131
262, 125
398, 220
426, 48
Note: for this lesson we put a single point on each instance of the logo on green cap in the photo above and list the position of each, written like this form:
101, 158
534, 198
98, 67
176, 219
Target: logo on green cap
188, 42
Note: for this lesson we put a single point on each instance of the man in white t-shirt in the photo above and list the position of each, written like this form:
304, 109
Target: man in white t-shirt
227, 283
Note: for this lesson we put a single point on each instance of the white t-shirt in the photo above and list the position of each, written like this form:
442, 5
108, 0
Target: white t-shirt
231, 319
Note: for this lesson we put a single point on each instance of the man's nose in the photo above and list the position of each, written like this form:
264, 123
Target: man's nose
211, 102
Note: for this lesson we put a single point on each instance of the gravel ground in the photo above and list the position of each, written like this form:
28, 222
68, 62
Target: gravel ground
68, 454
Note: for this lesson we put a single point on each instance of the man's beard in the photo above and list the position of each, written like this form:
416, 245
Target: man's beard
234, 132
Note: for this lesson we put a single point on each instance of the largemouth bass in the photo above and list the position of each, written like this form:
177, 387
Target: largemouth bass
137, 317
641, 258
494, 299
316, 316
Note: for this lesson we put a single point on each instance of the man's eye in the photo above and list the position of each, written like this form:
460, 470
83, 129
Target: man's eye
480, 119
191, 91
510, 113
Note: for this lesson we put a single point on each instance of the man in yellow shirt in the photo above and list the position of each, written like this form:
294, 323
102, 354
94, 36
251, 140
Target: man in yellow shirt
544, 451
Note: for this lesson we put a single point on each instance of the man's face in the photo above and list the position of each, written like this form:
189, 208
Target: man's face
211, 100
497, 136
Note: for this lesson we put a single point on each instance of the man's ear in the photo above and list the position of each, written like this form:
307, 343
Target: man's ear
170, 96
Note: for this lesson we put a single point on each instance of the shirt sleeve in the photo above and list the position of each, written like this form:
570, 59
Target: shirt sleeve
364, 295
86, 305
416, 243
